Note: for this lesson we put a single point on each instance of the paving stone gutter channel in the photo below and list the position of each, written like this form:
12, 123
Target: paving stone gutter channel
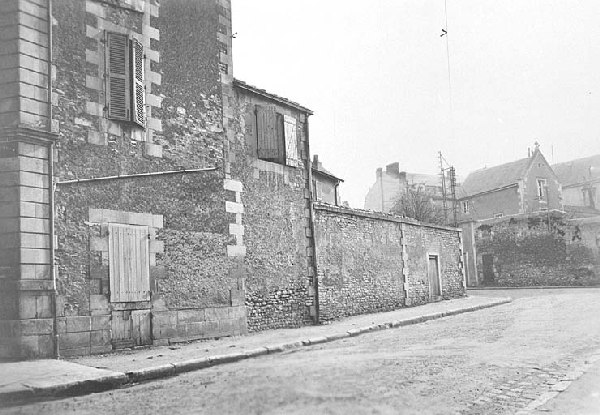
117, 379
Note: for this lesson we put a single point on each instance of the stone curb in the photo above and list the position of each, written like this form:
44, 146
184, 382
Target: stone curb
537, 287
171, 369
81, 387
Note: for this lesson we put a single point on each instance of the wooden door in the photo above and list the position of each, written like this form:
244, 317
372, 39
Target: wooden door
129, 273
434, 277
488, 268
131, 328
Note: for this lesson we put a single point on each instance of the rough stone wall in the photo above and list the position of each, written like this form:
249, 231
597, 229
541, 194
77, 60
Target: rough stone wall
277, 235
370, 262
359, 262
539, 249
190, 271
422, 241
197, 280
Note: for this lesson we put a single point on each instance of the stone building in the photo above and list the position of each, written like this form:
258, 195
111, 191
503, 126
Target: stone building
523, 186
580, 180
326, 186
543, 248
147, 197
391, 183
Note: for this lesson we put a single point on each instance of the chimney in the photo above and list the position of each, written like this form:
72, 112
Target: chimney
316, 163
528, 152
393, 169
378, 173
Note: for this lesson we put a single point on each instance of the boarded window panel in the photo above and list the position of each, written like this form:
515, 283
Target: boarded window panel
138, 91
117, 76
129, 265
267, 139
250, 131
280, 138
291, 143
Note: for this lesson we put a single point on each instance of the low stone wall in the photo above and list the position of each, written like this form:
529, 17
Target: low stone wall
538, 249
369, 262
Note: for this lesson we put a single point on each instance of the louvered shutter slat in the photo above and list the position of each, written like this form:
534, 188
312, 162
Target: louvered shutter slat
117, 67
138, 90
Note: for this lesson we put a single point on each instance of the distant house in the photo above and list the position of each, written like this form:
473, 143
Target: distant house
325, 184
392, 182
523, 186
580, 180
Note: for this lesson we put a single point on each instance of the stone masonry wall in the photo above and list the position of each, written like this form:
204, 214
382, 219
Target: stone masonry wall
189, 268
359, 262
420, 242
277, 235
538, 249
369, 262
196, 277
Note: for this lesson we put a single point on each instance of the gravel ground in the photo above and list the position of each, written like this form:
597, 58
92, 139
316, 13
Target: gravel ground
494, 361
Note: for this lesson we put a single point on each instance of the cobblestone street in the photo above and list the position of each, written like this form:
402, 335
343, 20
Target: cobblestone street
494, 361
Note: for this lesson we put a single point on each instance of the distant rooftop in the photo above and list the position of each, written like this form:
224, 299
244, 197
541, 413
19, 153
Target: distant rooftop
578, 170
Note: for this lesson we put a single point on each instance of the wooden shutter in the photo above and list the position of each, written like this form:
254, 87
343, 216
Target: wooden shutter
138, 91
129, 265
267, 138
250, 130
291, 144
117, 76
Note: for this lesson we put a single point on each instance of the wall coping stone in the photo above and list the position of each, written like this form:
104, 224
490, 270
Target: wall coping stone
379, 216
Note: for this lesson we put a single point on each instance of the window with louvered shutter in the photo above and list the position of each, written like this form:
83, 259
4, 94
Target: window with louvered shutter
268, 147
117, 76
129, 263
138, 92
291, 144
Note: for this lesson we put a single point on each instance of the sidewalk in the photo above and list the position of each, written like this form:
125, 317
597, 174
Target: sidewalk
33, 379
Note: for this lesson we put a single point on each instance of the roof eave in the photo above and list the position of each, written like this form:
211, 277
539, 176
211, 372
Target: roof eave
283, 101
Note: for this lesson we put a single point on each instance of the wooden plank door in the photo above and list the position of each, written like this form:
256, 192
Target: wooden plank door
434, 277
129, 263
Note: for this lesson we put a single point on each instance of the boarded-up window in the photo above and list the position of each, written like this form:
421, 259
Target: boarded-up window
125, 91
266, 120
291, 144
276, 136
129, 265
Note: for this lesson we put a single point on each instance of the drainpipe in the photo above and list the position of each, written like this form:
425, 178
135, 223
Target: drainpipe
312, 223
51, 186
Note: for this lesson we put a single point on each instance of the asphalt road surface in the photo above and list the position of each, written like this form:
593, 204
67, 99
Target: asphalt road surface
494, 361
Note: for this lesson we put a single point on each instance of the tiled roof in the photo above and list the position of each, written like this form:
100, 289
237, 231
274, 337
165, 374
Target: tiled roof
426, 179
496, 177
281, 100
323, 171
578, 171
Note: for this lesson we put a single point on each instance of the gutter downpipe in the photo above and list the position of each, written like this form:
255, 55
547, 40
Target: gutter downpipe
51, 188
312, 224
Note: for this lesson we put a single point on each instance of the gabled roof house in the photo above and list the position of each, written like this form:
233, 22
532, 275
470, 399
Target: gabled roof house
522, 186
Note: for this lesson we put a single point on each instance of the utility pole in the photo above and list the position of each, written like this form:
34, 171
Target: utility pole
444, 196
452, 174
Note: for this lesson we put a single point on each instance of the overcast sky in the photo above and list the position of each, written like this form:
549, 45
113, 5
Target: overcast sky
375, 73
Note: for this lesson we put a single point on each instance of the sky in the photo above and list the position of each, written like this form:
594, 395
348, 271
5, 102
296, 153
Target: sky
376, 75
